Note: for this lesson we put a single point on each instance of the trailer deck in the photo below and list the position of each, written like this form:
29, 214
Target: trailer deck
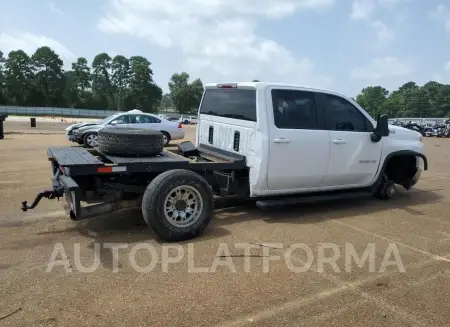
77, 160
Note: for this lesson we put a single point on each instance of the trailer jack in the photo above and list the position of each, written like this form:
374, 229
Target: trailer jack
54, 194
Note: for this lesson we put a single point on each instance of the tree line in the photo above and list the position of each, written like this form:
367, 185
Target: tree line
118, 83
409, 100
122, 83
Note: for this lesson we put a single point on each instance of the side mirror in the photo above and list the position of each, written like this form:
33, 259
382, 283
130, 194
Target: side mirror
381, 130
113, 123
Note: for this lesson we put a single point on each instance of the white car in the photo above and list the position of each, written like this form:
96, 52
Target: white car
188, 120
87, 133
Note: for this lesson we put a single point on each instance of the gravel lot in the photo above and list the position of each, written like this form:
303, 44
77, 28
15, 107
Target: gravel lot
416, 223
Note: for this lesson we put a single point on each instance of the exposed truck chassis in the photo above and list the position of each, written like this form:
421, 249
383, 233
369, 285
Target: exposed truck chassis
108, 183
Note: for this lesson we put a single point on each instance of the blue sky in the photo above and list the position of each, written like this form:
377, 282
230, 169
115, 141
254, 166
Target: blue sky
339, 44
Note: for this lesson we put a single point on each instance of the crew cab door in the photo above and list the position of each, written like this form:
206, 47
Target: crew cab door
298, 145
354, 158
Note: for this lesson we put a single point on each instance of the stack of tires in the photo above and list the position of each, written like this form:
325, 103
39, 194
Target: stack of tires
132, 142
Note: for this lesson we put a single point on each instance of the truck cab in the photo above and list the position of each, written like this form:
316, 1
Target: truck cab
297, 139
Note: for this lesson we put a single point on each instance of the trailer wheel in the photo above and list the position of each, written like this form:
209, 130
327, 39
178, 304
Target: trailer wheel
178, 205
130, 142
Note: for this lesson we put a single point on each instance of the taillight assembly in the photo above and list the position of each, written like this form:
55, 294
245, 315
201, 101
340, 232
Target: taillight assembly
180, 126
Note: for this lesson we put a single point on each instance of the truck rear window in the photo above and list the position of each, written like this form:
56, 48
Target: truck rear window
230, 103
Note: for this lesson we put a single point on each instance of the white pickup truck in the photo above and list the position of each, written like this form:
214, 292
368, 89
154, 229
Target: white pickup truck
278, 144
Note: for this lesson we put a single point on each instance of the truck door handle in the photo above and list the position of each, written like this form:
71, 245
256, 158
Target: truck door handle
281, 140
339, 141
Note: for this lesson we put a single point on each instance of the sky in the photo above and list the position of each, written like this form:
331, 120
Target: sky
342, 45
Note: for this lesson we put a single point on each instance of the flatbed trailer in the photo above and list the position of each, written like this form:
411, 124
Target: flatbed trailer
106, 183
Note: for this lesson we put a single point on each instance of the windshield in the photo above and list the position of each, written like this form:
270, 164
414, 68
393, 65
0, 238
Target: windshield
230, 103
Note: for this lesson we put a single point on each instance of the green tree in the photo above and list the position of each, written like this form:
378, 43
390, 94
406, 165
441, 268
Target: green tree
19, 78
49, 76
185, 96
372, 98
144, 93
71, 92
121, 72
409, 100
166, 102
2, 79
101, 81
81, 82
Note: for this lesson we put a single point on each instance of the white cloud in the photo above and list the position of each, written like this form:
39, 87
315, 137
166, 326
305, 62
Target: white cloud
442, 14
447, 66
361, 9
29, 43
54, 9
218, 37
388, 3
441, 78
379, 68
384, 35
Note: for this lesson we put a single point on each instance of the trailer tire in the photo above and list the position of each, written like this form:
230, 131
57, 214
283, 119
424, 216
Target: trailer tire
130, 142
177, 194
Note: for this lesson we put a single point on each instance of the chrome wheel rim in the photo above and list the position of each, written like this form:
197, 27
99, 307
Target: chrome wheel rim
165, 139
92, 140
183, 206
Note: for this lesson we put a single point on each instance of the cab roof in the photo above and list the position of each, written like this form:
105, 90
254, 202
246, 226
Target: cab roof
263, 85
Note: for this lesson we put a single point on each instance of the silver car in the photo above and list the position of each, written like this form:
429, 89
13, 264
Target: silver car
86, 133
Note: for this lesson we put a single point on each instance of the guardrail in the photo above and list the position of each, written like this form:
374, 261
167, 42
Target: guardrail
50, 111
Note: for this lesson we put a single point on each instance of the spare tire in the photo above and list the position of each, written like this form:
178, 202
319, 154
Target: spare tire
130, 141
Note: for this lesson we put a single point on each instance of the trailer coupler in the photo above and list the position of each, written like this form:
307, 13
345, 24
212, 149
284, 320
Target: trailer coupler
53, 194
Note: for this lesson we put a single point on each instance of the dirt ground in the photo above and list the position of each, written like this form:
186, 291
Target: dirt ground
264, 293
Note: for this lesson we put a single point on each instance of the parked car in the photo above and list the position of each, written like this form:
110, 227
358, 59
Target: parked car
188, 120
86, 133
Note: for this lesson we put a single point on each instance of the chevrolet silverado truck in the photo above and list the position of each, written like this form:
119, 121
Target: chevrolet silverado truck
274, 143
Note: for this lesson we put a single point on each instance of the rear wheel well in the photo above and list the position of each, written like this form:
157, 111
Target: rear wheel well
401, 168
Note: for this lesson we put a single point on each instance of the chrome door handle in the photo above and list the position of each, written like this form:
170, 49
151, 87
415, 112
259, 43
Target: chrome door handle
281, 140
339, 141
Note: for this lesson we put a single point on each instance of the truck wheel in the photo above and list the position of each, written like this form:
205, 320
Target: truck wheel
90, 140
385, 190
178, 205
130, 142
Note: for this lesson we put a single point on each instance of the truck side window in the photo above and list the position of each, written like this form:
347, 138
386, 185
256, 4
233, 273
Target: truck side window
294, 109
341, 115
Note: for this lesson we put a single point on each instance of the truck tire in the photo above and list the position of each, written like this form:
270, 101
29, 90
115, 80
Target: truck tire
385, 190
130, 142
178, 205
